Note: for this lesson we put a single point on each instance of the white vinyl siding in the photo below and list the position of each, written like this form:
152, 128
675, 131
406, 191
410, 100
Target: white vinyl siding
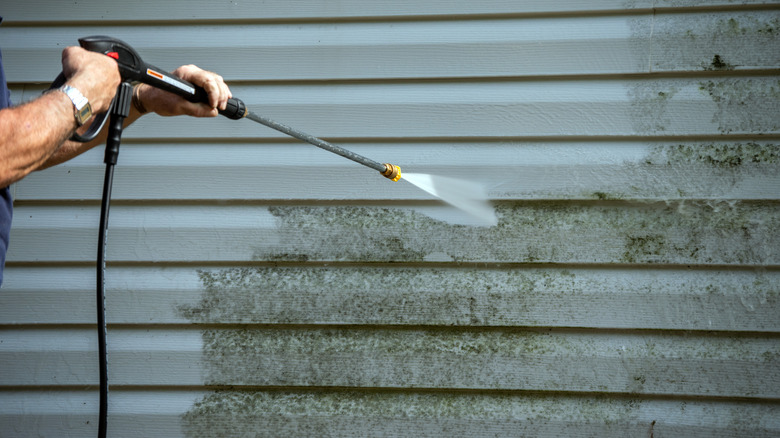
258, 286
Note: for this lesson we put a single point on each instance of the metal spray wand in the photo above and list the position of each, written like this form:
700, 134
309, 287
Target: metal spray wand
388, 170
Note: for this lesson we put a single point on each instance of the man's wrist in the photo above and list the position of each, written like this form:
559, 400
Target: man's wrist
82, 110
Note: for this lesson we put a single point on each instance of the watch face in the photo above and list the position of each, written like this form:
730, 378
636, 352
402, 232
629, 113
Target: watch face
83, 110
83, 114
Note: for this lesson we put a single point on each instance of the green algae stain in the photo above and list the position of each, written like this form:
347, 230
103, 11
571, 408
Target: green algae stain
744, 104
645, 248
380, 357
375, 295
329, 233
339, 413
649, 106
536, 232
718, 155
719, 64
604, 196
746, 38
712, 42
747, 105
746, 25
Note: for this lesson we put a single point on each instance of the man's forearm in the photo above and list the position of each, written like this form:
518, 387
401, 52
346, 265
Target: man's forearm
31, 133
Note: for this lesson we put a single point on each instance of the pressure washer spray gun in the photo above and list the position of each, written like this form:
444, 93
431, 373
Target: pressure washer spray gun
133, 69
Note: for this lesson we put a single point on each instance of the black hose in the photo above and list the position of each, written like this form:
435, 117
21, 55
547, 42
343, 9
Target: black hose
101, 300
119, 110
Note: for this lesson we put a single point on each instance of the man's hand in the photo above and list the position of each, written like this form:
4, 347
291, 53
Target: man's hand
169, 104
95, 75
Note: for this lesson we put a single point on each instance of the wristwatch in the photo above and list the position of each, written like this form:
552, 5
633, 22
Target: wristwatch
82, 108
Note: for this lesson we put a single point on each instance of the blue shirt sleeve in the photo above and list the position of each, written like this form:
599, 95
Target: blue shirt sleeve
6, 203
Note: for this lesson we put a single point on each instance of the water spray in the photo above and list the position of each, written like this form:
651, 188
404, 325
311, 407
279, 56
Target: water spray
462, 194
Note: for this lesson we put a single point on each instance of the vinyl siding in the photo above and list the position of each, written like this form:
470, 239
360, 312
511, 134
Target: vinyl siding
257, 286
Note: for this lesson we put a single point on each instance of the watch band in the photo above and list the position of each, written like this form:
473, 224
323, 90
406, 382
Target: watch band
82, 108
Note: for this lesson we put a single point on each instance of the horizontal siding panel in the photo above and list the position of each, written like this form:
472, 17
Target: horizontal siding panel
603, 170
380, 358
359, 50
605, 45
73, 413
653, 233
679, 107
574, 108
176, 414
205, 11
598, 298
502, 360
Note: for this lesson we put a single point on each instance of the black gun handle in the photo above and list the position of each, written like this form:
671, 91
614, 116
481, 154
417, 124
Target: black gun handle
235, 110
132, 68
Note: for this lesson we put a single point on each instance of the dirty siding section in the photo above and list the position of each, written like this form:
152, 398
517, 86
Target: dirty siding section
260, 287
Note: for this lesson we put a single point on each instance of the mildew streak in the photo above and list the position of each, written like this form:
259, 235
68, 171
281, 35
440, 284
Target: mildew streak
752, 155
487, 297
716, 41
394, 414
541, 360
349, 295
461, 343
745, 105
711, 232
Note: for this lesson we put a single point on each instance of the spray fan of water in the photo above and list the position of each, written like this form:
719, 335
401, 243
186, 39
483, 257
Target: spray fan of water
467, 196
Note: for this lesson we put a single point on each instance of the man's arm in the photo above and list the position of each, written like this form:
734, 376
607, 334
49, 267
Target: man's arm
31, 133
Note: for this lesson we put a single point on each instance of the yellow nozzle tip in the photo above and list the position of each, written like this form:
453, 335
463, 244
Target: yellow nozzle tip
392, 172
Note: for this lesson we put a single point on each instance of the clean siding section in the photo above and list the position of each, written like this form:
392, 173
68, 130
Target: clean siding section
257, 286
